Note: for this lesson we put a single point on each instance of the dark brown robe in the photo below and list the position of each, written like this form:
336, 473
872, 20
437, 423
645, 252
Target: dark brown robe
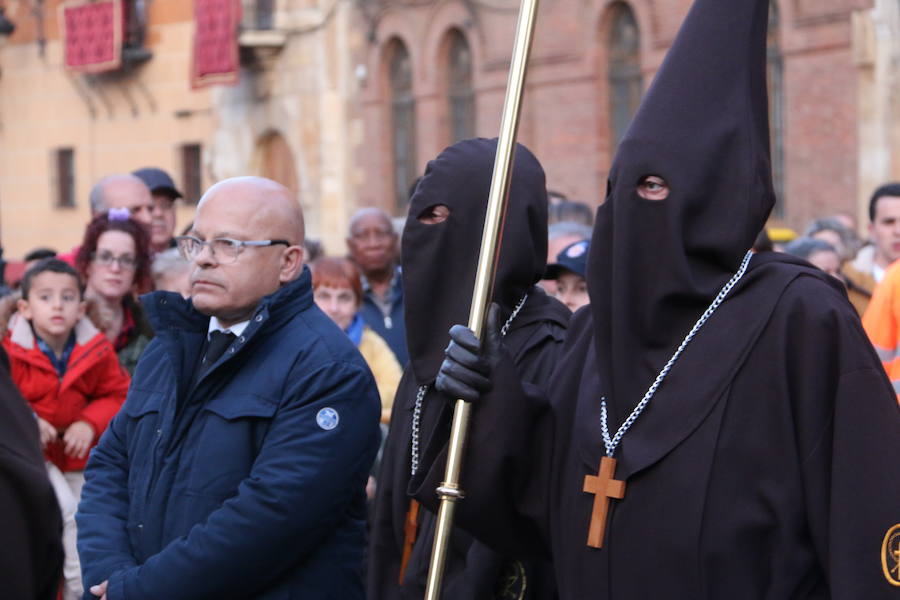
474, 570
762, 469
30, 520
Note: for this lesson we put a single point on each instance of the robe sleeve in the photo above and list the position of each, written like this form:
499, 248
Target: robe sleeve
847, 424
864, 452
386, 535
505, 473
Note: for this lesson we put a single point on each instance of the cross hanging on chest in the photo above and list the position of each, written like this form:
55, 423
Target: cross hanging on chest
604, 487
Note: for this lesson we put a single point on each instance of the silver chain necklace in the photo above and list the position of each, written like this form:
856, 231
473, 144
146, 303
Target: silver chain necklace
612, 444
420, 394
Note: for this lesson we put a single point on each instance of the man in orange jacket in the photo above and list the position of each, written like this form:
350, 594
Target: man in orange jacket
882, 324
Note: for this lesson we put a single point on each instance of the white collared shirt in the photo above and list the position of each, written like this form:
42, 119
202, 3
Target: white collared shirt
237, 329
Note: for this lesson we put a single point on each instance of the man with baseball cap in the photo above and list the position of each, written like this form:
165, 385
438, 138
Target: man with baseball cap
568, 273
162, 226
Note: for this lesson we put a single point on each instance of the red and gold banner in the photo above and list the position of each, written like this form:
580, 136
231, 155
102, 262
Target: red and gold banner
92, 34
216, 52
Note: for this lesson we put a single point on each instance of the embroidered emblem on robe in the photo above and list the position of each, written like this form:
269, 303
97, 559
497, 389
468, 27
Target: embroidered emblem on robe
890, 555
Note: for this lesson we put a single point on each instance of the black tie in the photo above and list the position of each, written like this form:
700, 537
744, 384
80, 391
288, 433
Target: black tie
218, 344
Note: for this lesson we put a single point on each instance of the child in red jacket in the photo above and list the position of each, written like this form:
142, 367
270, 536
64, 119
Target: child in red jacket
67, 371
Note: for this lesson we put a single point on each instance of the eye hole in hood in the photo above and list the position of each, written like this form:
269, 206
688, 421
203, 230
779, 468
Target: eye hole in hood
653, 187
434, 214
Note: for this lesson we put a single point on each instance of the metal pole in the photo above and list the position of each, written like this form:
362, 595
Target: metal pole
449, 491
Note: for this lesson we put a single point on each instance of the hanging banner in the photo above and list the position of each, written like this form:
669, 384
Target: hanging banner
92, 34
216, 53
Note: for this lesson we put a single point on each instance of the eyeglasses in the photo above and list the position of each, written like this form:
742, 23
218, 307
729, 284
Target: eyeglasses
224, 250
126, 262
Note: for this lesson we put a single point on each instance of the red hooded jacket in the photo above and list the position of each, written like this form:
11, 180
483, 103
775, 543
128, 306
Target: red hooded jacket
92, 389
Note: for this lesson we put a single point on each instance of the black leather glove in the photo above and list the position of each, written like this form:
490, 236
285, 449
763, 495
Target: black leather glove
466, 370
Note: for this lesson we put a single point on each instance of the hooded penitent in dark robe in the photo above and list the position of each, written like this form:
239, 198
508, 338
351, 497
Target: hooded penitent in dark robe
30, 521
759, 468
439, 262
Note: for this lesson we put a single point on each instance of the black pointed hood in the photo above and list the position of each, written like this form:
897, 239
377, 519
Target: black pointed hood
439, 260
655, 266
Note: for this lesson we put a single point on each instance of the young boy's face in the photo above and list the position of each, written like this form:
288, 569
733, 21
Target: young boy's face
571, 290
53, 306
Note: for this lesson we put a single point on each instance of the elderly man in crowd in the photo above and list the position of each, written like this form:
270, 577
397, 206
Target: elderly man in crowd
162, 216
237, 467
120, 190
123, 190
373, 246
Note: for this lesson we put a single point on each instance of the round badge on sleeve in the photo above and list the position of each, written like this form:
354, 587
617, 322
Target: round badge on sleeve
328, 418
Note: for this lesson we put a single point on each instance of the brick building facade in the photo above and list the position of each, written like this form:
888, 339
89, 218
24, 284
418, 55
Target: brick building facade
588, 59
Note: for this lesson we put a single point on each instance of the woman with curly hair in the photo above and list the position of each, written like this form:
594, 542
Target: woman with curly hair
114, 262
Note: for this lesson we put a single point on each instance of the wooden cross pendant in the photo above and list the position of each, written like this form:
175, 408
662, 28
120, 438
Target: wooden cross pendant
410, 530
603, 486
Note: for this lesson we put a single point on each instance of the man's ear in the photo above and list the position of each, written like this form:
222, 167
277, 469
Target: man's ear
24, 308
291, 264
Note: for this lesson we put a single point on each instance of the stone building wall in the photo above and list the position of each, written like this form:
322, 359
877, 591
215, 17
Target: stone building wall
566, 118
878, 55
289, 117
113, 123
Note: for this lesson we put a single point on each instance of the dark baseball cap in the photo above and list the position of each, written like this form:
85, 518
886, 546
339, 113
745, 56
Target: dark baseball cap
572, 258
158, 181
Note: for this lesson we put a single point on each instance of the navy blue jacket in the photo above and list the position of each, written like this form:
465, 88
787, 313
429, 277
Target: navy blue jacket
392, 328
249, 482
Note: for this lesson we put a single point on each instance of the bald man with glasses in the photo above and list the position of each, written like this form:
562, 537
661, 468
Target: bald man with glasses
237, 467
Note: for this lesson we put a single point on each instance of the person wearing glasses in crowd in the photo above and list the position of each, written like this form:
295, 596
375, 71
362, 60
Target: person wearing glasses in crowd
114, 262
237, 466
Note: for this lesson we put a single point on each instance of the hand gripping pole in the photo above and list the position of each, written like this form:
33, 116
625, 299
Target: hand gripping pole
491, 239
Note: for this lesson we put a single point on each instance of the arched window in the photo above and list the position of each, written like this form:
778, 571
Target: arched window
460, 94
775, 76
625, 82
403, 122
275, 160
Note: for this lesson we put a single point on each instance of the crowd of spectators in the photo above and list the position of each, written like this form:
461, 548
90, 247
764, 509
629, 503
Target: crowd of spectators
86, 302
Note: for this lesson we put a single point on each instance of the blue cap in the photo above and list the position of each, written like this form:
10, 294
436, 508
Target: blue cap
158, 181
572, 258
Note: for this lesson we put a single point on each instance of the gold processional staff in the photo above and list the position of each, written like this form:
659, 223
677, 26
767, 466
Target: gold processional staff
449, 490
